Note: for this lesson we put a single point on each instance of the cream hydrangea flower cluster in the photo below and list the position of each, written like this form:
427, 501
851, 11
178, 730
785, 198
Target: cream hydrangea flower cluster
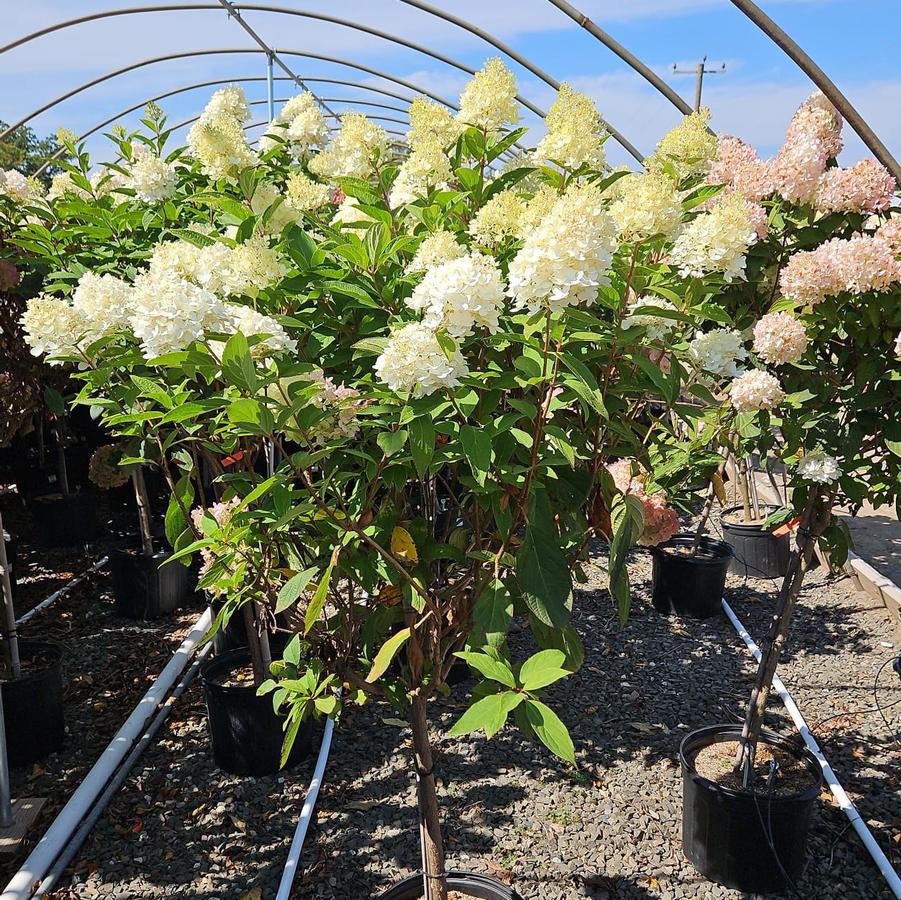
300, 122
755, 390
217, 139
689, 147
357, 146
265, 196
499, 218
429, 120
222, 512
53, 327
718, 351
426, 167
646, 205
104, 302
342, 403
252, 323
460, 296
655, 327
18, 187
62, 185
575, 132
349, 213
717, 240
536, 208
565, 259
302, 193
489, 99
779, 338
859, 264
414, 361
819, 467
890, 233
229, 101
437, 248
152, 179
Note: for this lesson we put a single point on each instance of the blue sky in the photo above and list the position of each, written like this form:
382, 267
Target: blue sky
855, 41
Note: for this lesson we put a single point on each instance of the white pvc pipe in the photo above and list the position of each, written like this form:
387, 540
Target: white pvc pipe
22, 884
849, 809
63, 590
306, 814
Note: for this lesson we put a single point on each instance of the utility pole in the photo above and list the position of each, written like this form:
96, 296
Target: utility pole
699, 72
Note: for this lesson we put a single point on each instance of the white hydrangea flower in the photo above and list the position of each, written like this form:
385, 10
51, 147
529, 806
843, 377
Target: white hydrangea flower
536, 208
430, 120
656, 327
53, 327
489, 99
779, 338
105, 180
349, 213
575, 132
426, 167
300, 122
414, 361
353, 150
19, 187
690, 147
460, 296
169, 313
305, 194
566, 257
717, 240
252, 266
898, 345
229, 101
646, 205
264, 196
62, 185
104, 301
252, 323
218, 141
499, 218
437, 248
152, 178
755, 390
819, 467
718, 351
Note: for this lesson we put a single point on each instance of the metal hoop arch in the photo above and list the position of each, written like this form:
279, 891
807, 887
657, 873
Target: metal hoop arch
193, 119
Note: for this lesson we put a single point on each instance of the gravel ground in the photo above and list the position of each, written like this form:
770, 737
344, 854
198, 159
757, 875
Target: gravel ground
181, 828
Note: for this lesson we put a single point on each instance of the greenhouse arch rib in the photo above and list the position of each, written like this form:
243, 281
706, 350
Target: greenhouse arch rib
193, 119
483, 35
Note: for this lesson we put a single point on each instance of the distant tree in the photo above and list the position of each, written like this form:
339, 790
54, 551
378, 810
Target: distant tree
25, 151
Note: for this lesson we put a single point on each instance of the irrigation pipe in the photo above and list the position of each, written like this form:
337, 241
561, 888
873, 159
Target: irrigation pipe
63, 590
849, 809
78, 838
54, 840
306, 814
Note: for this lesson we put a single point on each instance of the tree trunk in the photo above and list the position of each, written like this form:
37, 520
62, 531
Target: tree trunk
143, 503
258, 641
434, 876
814, 520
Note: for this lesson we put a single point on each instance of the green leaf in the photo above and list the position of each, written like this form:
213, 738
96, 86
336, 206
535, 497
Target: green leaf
293, 588
237, 363
392, 441
495, 669
477, 449
387, 653
544, 577
54, 401
318, 600
492, 614
542, 669
488, 714
252, 415
550, 730
628, 523
175, 517
422, 443
290, 737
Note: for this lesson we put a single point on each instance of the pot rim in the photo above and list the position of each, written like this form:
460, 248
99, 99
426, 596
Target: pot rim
767, 737
680, 540
725, 513
486, 880
29, 644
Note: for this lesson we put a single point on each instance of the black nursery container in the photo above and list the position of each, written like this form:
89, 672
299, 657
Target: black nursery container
245, 732
144, 588
64, 521
758, 554
690, 585
723, 832
33, 706
470, 885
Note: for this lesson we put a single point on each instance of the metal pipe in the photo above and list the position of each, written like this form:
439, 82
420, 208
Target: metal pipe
841, 796
270, 88
306, 814
118, 779
218, 52
625, 55
49, 601
11, 638
823, 82
517, 57
48, 848
186, 122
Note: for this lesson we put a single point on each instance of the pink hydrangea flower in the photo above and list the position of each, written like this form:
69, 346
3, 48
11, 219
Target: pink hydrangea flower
779, 338
866, 187
661, 522
890, 232
739, 168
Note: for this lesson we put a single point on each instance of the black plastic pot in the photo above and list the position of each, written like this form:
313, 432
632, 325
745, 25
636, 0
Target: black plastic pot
144, 588
723, 831
245, 733
234, 635
64, 521
466, 883
690, 585
33, 706
758, 554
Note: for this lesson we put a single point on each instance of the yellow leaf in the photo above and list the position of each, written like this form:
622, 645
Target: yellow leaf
719, 488
402, 545
390, 595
